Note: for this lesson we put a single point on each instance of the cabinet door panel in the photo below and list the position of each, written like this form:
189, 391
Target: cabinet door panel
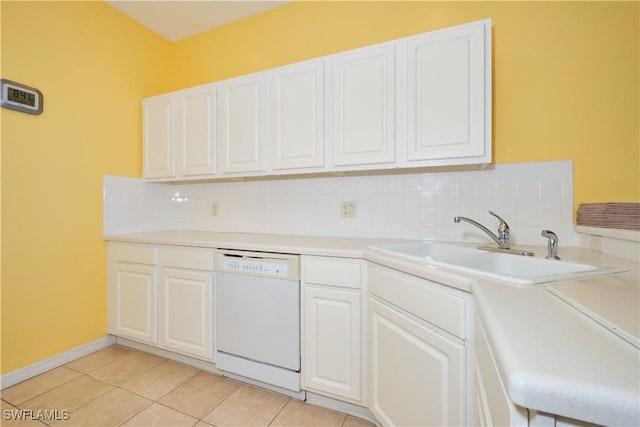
187, 311
132, 302
448, 90
416, 374
158, 142
332, 346
242, 113
364, 106
297, 121
196, 142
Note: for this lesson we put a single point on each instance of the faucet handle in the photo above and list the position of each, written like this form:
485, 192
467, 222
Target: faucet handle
503, 224
503, 230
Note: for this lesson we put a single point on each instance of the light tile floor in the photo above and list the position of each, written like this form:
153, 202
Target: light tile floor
122, 386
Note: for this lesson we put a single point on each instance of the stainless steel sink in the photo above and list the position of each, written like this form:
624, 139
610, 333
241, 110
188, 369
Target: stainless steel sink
521, 270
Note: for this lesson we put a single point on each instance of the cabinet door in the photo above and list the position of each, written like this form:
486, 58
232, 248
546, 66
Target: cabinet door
242, 124
494, 407
417, 375
186, 311
297, 116
158, 144
449, 94
196, 131
332, 342
364, 106
132, 302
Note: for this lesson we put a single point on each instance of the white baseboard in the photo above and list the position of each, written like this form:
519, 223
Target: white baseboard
337, 405
19, 375
187, 360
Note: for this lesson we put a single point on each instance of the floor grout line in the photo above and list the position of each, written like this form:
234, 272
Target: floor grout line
152, 402
40, 394
149, 402
278, 413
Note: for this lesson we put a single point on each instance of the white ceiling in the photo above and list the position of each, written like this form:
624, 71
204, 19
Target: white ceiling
176, 19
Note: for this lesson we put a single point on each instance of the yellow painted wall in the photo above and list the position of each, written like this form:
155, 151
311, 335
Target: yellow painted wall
565, 74
93, 65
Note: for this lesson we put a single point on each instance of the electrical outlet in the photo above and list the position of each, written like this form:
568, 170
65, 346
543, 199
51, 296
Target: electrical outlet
348, 209
215, 209
595, 243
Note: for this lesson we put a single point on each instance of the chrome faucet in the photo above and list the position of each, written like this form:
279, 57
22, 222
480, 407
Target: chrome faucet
501, 239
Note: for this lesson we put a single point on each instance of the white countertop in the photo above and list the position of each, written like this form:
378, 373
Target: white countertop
347, 247
552, 358
556, 360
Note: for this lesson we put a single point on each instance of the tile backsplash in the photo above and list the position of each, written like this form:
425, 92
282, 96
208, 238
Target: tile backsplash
529, 196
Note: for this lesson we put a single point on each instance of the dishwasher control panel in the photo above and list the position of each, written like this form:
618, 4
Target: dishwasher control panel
263, 264
251, 266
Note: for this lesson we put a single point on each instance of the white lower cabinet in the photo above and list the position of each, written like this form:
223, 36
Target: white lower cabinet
333, 325
133, 295
416, 374
186, 311
493, 405
162, 296
131, 292
418, 368
186, 300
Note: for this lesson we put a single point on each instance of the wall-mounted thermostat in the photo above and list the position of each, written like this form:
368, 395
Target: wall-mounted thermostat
19, 97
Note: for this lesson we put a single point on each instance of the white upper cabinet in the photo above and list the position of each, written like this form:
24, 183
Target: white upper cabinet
158, 141
196, 131
449, 95
297, 125
242, 124
364, 90
418, 101
180, 134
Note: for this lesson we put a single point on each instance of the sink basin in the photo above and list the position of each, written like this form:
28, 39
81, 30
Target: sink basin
431, 250
521, 270
526, 270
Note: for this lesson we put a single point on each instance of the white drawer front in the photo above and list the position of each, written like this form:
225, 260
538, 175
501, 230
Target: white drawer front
342, 272
190, 258
139, 254
429, 301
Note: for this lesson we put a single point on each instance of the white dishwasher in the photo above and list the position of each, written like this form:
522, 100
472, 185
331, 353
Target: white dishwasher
257, 316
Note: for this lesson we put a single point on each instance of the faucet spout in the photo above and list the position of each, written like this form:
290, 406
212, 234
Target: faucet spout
502, 239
